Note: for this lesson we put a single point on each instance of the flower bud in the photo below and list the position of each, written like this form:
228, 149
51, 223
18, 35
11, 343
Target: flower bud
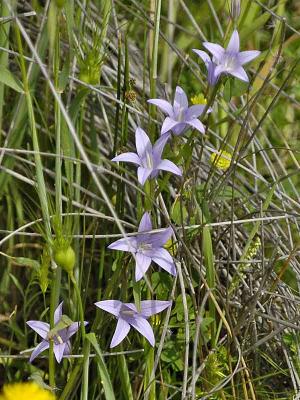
235, 9
65, 258
60, 3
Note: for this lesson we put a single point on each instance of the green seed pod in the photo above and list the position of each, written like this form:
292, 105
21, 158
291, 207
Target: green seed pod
60, 3
65, 258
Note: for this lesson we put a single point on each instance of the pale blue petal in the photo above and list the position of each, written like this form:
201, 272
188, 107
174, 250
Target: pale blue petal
42, 328
180, 99
164, 105
163, 258
168, 125
145, 223
216, 50
151, 307
128, 157
204, 56
247, 56
121, 332
167, 165
111, 306
158, 239
142, 142
58, 313
125, 244
159, 146
143, 326
194, 111
195, 123
240, 73
59, 351
143, 174
142, 264
44, 345
73, 328
234, 43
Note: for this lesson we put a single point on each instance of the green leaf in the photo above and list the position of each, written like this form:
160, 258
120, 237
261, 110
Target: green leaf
8, 79
105, 379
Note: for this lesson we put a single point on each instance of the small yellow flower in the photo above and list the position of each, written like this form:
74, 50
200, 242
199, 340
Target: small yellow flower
221, 160
198, 99
25, 391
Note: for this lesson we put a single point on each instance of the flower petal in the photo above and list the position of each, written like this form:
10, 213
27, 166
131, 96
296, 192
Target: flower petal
142, 142
240, 73
59, 351
216, 50
163, 258
143, 174
180, 99
121, 332
145, 223
58, 313
42, 328
194, 111
247, 56
125, 244
73, 328
44, 345
203, 55
141, 266
195, 123
159, 146
151, 307
168, 125
111, 306
234, 43
143, 326
164, 105
128, 157
167, 165
158, 239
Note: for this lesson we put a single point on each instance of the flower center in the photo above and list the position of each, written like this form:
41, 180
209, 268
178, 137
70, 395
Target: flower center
144, 247
127, 312
149, 160
181, 114
229, 61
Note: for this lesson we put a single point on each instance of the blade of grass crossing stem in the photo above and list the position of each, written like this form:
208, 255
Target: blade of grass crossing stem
105, 379
125, 378
207, 249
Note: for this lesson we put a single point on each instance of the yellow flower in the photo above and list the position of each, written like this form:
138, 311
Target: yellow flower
25, 391
198, 99
221, 160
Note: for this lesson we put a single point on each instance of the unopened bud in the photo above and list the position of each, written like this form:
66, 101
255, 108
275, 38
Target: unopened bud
65, 258
235, 9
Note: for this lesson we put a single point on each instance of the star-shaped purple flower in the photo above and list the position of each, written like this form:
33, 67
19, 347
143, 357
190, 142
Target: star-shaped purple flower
147, 247
227, 61
180, 115
60, 338
148, 157
128, 315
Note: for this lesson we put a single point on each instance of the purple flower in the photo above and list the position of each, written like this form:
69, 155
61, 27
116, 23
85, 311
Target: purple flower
180, 115
227, 61
147, 247
128, 315
148, 157
60, 337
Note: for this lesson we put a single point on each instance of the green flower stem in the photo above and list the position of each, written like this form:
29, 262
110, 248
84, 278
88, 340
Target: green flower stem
81, 313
